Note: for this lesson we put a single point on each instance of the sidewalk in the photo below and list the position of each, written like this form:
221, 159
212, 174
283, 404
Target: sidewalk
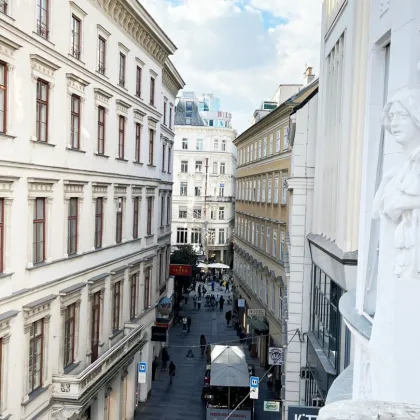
182, 399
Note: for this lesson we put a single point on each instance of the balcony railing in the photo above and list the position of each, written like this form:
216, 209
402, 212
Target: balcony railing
215, 199
75, 387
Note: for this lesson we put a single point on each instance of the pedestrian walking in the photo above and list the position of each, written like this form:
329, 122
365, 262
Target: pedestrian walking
165, 358
195, 301
228, 317
154, 367
203, 343
172, 370
199, 302
184, 324
221, 302
186, 298
189, 323
212, 286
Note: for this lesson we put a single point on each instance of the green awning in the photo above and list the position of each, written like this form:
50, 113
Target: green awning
257, 324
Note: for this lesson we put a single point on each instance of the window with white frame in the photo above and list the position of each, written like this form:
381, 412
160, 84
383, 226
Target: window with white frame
184, 144
221, 213
278, 141
198, 166
222, 168
268, 240
265, 147
247, 153
261, 287
282, 249
238, 190
182, 235
196, 236
259, 149
222, 239
258, 190
271, 143
284, 189
197, 213
263, 191
273, 297
183, 188
286, 137
214, 167
213, 213
182, 212
274, 250
262, 237
280, 303
222, 190
251, 153
253, 234
256, 150
223, 145
199, 144
269, 190
216, 144
197, 191
257, 234
276, 190
266, 291
248, 233
254, 191
184, 166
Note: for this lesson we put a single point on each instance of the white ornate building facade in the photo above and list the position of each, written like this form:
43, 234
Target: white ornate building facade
87, 96
204, 179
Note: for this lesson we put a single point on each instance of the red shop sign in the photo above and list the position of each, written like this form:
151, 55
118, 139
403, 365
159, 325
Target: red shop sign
180, 270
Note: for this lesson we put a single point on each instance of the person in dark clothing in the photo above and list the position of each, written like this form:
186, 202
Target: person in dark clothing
203, 343
189, 323
228, 317
154, 367
172, 370
221, 302
165, 358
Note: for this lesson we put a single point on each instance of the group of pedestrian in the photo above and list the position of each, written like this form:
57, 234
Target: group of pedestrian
186, 324
165, 359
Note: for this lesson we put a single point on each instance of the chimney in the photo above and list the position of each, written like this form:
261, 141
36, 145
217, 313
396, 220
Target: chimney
308, 76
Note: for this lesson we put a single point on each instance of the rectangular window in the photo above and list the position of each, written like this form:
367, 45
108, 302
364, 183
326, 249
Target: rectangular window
101, 55
286, 138
280, 307
163, 156
221, 190
118, 232
184, 188
271, 144
199, 144
36, 355
213, 213
42, 93
149, 214
253, 233
121, 137
169, 160
182, 235
268, 240
223, 145
276, 190
99, 221
116, 305
262, 237
168, 210
197, 213
198, 166
137, 153
257, 234
39, 231
3, 96
151, 146
95, 324
136, 205
147, 275
69, 334
284, 190
347, 347
75, 47
259, 149
282, 249
72, 226
216, 144
164, 112
221, 236
222, 168
138, 81
184, 166
1, 235
274, 249
265, 146
211, 236
214, 167
184, 144
133, 295
182, 213
152, 91
101, 130
196, 236
221, 213
3, 9
269, 192
197, 191
121, 80
75, 122
278, 141
170, 117
162, 211
42, 18
258, 190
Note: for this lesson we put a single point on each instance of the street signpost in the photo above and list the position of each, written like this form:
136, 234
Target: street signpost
142, 370
256, 312
241, 303
253, 387
272, 406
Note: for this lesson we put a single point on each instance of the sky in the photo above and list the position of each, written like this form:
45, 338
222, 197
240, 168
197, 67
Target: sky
240, 50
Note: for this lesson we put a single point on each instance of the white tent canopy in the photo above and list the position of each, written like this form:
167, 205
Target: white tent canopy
228, 367
202, 265
218, 265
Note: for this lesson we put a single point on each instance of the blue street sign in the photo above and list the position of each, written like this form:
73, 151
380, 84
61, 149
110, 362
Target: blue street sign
142, 367
253, 382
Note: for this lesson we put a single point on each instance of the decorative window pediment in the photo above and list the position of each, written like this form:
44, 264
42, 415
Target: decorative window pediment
6, 186
99, 190
122, 107
152, 122
71, 294
76, 84
120, 190
117, 274
38, 187
136, 191
43, 68
73, 189
38, 309
102, 97
139, 115
150, 192
8, 48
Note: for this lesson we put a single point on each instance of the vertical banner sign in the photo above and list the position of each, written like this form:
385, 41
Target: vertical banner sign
253, 387
142, 370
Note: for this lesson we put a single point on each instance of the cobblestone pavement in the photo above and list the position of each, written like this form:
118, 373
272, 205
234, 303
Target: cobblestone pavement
182, 399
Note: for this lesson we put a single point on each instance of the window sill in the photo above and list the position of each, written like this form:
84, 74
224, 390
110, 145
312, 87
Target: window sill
5, 275
121, 159
44, 143
34, 394
71, 149
122, 87
7, 136
283, 204
151, 165
115, 334
138, 163
42, 39
9, 19
78, 60
139, 97
101, 74
101, 155
150, 236
70, 367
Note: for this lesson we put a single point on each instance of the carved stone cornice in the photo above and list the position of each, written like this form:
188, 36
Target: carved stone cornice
169, 83
127, 19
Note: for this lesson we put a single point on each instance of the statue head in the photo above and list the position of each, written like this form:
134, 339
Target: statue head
401, 116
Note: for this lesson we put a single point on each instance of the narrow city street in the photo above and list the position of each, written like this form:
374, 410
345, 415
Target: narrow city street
182, 399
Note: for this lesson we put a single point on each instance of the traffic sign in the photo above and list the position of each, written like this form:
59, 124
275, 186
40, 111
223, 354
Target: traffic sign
142, 370
253, 387
256, 312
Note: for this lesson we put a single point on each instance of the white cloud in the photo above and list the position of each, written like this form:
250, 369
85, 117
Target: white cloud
225, 48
